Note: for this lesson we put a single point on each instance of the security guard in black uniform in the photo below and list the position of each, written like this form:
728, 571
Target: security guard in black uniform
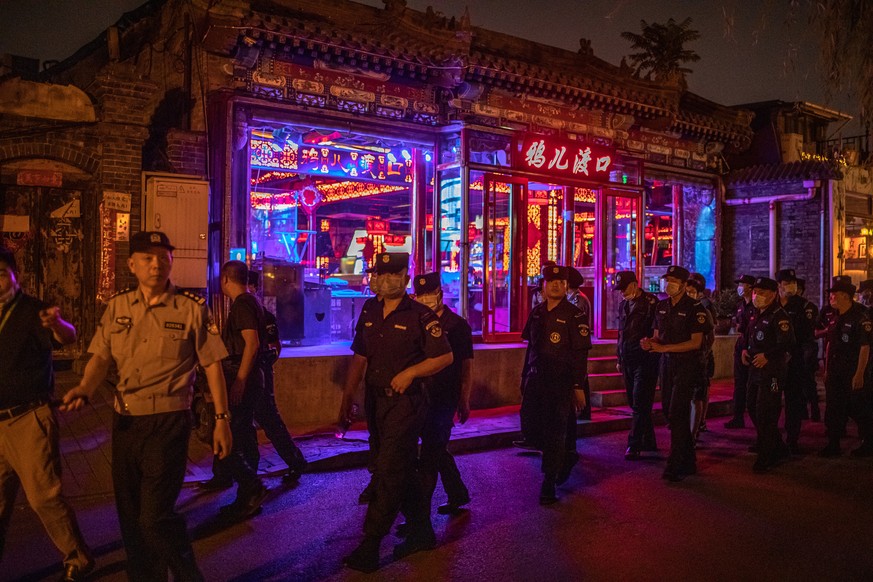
846, 357
636, 320
803, 316
575, 280
741, 371
449, 394
680, 324
369, 492
559, 338
769, 342
399, 344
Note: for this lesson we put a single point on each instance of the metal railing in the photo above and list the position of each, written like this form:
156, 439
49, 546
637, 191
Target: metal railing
855, 150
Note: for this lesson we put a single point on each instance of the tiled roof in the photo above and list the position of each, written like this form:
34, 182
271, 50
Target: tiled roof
785, 172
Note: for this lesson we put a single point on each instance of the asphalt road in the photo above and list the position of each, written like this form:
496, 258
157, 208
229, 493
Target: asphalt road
809, 519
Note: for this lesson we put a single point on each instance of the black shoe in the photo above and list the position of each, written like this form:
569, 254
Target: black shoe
454, 506
365, 558
368, 494
523, 444
761, 466
295, 470
570, 460
632, 454
672, 475
735, 423
865, 450
413, 544
215, 484
246, 504
73, 573
547, 493
830, 451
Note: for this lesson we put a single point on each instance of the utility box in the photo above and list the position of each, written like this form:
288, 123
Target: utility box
179, 207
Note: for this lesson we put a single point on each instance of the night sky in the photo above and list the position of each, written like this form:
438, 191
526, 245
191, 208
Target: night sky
734, 68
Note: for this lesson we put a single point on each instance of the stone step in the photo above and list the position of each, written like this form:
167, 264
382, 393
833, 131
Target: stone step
602, 364
605, 381
614, 398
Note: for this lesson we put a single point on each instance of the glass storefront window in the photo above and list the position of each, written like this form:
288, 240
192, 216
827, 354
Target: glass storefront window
658, 233
584, 220
322, 206
856, 248
698, 230
450, 236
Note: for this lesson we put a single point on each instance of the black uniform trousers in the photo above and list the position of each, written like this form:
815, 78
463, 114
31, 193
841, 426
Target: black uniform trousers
241, 464
680, 376
810, 362
795, 398
640, 373
436, 461
372, 428
267, 416
149, 456
841, 403
399, 420
764, 398
741, 383
552, 409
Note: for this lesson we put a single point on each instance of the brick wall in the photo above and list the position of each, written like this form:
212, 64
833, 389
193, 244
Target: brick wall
186, 151
746, 238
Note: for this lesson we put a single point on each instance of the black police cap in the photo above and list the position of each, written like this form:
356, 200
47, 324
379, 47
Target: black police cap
865, 286
424, 284
745, 280
391, 262
141, 242
842, 283
698, 281
622, 279
766, 283
677, 272
574, 278
786, 275
552, 272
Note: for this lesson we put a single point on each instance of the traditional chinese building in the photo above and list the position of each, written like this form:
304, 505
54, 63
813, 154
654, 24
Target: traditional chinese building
799, 198
305, 137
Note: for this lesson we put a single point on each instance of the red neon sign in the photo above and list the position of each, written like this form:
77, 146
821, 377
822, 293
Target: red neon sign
564, 157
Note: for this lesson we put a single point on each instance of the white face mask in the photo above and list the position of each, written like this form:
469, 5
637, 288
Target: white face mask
375, 285
672, 289
741, 290
435, 302
391, 288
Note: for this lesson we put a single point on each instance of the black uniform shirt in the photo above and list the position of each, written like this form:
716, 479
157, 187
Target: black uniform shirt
804, 315
26, 353
559, 341
271, 328
410, 335
245, 313
636, 320
744, 311
446, 388
845, 336
677, 323
770, 332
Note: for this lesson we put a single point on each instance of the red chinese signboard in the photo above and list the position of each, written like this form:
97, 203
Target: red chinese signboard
564, 157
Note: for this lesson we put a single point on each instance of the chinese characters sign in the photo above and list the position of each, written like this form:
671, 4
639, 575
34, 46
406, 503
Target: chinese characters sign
564, 157
392, 165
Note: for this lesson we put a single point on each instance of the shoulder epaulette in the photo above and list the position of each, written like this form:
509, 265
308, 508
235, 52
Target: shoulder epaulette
123, 291
193, 297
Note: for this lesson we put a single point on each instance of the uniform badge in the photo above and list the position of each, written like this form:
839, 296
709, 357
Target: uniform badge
701, 318
809, 314
759, 336
555, 337
783, 325
422, 281
434, 328
584, 331
868, 326
385, 258
845, 338
155, 238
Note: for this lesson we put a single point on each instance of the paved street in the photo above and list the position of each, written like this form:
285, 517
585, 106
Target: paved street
810, 519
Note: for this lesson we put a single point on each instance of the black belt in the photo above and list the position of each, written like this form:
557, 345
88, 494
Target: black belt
8, 413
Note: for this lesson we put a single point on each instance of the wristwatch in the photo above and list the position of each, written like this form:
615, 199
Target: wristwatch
222, 416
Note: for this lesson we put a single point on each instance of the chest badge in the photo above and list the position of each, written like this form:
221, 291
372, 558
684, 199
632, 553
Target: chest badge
759, 336
845, 338
174, 325
555, 337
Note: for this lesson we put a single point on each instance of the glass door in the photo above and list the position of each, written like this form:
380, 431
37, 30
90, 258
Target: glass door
620, 231
504, 289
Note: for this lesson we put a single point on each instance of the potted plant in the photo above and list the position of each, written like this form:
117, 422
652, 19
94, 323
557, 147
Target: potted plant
725, 302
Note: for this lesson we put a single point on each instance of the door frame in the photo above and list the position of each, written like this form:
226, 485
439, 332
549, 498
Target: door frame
604, 286
518, 292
